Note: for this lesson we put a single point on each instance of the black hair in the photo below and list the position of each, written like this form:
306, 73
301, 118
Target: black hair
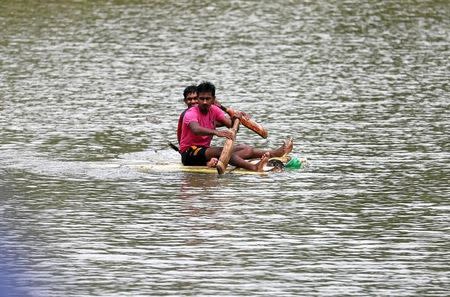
206, 86
189, 89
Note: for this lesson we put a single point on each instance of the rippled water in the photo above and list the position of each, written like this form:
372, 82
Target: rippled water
91, 89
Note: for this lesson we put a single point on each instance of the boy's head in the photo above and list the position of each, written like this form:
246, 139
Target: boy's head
190, 95
208, 87
206, 96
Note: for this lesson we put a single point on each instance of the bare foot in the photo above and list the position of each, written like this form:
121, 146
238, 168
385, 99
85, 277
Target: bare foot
212, 163
288, 146
262, 162
283, 150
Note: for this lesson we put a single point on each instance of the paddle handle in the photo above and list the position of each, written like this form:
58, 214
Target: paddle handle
227, 149
174, 147
247, 122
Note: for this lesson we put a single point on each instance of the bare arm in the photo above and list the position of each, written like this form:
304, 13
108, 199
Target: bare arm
199, 130
226, 122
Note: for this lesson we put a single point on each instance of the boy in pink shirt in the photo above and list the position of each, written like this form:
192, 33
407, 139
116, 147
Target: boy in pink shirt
190, 99
207, 121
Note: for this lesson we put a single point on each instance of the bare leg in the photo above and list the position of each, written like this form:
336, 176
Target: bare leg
212, 153
244, 151
248, 152
237, 161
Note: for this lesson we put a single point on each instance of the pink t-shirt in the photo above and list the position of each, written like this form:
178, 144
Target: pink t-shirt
205, 120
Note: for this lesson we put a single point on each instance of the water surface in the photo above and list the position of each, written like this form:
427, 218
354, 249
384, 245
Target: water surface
91, 89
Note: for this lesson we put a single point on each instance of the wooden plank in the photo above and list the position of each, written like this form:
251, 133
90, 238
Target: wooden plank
165, 168
227, 149
146, 167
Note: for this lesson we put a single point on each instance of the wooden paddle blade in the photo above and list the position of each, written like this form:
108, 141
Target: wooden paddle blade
248, 122
227, 149
254, 126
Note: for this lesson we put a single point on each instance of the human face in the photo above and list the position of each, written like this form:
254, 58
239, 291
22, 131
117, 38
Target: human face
191, 99
205, 100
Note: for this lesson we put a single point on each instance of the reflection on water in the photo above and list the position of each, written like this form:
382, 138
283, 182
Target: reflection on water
90, 91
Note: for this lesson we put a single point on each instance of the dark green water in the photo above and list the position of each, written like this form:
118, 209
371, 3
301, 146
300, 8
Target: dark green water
89, 89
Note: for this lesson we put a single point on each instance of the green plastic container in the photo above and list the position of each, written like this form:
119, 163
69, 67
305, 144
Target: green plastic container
294, 163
